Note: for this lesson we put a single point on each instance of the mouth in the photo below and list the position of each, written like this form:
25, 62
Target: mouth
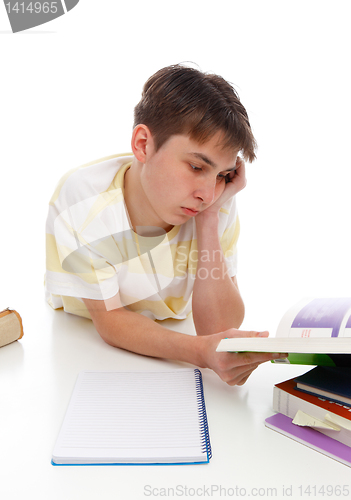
190, 211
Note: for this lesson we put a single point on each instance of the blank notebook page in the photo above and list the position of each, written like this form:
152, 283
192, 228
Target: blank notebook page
135, 417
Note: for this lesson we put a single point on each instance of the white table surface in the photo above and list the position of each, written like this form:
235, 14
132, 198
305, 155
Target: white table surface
37, 376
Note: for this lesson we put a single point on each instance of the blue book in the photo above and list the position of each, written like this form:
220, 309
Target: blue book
135, 418
330, 382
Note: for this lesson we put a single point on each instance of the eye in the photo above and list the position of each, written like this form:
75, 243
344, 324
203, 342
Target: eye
220, 177
197, 169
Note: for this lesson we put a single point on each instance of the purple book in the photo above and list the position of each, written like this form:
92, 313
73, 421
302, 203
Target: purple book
311, 438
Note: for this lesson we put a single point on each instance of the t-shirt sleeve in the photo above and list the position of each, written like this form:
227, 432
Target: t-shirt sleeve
229, 229
81, 253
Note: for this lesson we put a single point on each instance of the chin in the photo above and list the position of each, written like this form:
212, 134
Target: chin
176, 220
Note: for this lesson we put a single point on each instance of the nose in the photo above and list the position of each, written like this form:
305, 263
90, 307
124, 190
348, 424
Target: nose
206, 191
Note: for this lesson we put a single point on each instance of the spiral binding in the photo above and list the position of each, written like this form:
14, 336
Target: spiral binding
205, 435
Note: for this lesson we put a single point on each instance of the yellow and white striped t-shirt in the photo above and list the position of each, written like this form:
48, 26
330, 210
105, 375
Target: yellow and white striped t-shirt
92, 251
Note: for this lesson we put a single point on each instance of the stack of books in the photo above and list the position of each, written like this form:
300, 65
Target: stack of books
315, 408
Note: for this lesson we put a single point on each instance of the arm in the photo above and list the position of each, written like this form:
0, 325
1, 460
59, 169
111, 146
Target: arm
217, 304
134, 332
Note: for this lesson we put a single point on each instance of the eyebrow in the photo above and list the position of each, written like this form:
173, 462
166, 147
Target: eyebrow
207, 160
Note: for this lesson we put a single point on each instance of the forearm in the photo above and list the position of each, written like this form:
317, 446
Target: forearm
137, 333
217, 304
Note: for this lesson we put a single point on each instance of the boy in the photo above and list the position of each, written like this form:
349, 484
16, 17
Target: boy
136, 238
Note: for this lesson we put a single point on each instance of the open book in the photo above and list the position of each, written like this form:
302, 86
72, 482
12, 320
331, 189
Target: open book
313, 332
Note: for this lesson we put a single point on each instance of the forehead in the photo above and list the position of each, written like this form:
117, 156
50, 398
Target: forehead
210, 152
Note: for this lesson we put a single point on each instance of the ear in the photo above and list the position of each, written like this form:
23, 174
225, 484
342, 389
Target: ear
142, 143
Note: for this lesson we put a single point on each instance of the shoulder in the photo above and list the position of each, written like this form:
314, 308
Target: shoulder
88, 180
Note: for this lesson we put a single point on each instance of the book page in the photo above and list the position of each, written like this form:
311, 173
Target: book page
347, 330
319, 317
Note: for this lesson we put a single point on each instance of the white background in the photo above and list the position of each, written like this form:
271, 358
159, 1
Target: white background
68, 89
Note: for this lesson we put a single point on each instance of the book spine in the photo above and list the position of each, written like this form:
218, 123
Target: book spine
205, 435
288, 405
319, 394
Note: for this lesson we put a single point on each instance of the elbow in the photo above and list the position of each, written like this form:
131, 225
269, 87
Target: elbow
107, 339
105, 330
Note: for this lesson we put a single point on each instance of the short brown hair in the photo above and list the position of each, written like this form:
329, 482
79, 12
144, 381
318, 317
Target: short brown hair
182, 100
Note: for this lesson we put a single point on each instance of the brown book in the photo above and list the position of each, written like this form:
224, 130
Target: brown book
11, 327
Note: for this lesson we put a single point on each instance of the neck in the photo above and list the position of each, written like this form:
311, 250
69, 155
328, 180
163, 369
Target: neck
140, 211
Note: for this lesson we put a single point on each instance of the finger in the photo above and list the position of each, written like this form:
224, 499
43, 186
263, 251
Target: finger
248, 358
244, 379
239, 377
240, 167
240, 163
229, 177
237, 177
233, 332
234, 360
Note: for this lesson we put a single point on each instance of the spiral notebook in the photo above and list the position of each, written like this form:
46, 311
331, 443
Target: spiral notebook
117, 418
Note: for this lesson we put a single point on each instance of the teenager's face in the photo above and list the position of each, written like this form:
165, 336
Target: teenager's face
184, 178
